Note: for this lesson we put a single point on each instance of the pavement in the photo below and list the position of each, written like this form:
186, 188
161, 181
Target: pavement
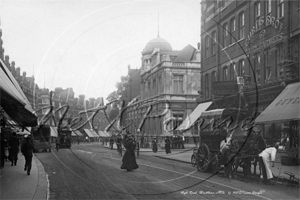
16, 184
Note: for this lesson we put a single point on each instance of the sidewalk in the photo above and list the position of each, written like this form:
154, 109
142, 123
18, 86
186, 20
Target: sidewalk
184, 155
16, 184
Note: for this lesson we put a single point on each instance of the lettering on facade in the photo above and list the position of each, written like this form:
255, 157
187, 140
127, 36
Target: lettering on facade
267, 20
288, 101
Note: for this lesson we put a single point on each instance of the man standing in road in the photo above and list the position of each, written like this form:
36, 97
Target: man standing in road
13, 148
265, 158
27, 150
168, 145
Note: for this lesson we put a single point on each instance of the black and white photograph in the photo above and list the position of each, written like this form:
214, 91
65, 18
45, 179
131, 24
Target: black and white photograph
149, 99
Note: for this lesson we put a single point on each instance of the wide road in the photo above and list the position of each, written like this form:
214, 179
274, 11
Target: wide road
91, 171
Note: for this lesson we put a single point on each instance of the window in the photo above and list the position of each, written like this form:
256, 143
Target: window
280, 9
154, 87
257, 68
257, 14
225, 73
232, 30
213, 76
241, 25
268, 72
178, 119
225, 35
206, 86
178, 84
279, 53
159, 85
232, 73
268, 6
213, 43
241, 69
206, 46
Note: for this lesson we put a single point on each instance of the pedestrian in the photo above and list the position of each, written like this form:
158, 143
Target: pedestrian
78, 141
14, 144
267, 157
167, 145
111, 142
2, 150
57, 144
154, 145
129, 160
27, 150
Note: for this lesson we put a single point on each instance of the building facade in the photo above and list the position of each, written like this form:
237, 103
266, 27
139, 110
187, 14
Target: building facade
253, 45
169, 84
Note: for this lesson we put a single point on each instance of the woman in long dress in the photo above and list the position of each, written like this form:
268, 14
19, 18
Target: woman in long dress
129, 161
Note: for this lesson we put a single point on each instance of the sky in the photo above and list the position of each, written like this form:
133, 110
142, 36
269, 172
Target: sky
88, 44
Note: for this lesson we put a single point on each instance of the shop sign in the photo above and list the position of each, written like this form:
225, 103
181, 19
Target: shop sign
224, 88
267, 20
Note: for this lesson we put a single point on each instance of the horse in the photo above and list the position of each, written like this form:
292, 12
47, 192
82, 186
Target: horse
255, 145
228, 149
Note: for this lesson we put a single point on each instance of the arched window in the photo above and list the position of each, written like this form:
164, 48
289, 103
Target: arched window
206, 86
241, 25
232, 73
225, 73
206, 46
213, 43
225, 35
232, 30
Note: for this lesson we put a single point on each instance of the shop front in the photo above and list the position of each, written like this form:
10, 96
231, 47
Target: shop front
281, 123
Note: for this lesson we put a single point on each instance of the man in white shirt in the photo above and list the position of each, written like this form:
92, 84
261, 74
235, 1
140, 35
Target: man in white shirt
267, 157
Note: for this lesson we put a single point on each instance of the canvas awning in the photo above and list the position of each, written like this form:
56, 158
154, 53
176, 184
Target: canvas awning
53, 132
89, 133
192, 118
76, 133
107, 134
13, 100
215, 112
94, 133
285, 107
102, 134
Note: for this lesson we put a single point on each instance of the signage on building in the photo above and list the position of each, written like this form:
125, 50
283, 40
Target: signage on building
221, 88
265, 43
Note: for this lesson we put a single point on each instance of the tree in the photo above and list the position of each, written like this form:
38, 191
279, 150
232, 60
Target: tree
123, 88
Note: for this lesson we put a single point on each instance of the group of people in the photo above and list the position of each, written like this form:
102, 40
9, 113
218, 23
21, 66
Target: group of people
13, 144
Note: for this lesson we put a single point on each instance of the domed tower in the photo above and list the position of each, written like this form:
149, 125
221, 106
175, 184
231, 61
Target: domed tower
158, 44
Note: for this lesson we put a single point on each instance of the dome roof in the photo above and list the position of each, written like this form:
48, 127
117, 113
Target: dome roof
158, 42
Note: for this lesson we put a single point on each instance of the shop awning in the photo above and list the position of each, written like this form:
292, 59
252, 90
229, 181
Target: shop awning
13, 100
94, 133
89, 133
285, 107
103, 134
53, 132
192, 118
215, 113
76, 133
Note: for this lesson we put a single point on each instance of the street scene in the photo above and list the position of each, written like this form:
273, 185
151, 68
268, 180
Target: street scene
149, 99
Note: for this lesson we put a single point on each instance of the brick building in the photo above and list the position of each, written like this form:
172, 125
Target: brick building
254, 44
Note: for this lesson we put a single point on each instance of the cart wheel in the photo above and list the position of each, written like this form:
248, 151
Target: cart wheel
203, 156
193, 160
215, 165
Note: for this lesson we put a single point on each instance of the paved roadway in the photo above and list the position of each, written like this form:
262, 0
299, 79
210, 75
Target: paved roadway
90, 171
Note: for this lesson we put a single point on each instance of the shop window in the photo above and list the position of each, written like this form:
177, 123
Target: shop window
225, 35
206, 46
178, 84
213, 43
241, 25
232, 30
280, 10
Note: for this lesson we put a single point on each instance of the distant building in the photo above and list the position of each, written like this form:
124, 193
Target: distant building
167, 77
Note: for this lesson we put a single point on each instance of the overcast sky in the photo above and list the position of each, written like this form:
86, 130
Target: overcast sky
88, 44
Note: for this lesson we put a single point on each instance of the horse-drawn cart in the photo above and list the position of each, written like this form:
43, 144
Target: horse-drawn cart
221, 136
